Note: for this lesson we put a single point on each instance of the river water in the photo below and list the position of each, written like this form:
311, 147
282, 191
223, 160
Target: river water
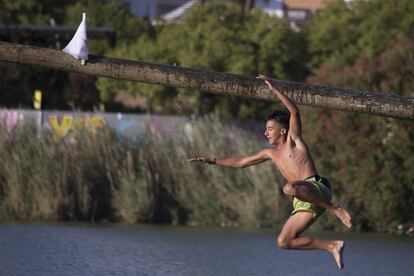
65, 249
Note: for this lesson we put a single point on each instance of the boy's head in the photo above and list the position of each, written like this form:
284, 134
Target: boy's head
277, 126
280, 117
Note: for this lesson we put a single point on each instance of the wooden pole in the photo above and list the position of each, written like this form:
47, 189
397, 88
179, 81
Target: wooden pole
391, 105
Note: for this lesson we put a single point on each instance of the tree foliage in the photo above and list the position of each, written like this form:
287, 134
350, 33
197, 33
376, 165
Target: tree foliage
32, 11
128, 28
17, 83
217, 37
62, 90
369, 158
344, 30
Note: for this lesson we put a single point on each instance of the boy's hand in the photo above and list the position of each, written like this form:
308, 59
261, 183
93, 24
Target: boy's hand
203, 159
268, 81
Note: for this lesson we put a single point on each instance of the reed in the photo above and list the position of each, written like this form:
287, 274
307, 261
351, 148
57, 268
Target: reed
147, 179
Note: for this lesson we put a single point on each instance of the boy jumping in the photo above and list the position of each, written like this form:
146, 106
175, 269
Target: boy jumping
311, 193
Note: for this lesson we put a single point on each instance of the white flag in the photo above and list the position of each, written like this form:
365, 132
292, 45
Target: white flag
78, 47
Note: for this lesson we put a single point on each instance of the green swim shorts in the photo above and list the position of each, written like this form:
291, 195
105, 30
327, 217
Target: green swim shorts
323, 188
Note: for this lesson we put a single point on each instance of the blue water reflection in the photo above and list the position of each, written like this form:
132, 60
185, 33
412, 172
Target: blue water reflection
148, 250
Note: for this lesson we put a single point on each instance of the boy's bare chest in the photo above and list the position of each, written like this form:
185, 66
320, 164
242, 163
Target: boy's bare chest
286, 153
289, 158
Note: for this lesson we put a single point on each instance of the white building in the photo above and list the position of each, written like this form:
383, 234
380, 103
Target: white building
295, 11
150, 9
271, 7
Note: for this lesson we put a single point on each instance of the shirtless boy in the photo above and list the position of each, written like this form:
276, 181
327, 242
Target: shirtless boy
311, 193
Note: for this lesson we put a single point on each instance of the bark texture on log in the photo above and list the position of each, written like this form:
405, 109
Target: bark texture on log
384, 104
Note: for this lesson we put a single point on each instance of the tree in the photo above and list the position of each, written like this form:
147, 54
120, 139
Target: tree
17, 83
222, 38
61, 90
344, 30
82, 91
32, 11
245, 4
370, 158
128, 28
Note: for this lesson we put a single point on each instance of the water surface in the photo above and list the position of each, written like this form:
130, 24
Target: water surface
62, 249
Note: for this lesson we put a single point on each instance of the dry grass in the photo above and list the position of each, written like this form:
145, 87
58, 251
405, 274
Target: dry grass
101, 177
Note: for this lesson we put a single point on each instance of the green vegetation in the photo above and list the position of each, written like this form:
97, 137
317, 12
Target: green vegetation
221, 38
100, 177
369, 157
62, 90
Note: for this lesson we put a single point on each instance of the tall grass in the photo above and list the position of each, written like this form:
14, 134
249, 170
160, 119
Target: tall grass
102, 177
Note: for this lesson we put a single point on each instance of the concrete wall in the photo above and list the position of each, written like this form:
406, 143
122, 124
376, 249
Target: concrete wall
61, 125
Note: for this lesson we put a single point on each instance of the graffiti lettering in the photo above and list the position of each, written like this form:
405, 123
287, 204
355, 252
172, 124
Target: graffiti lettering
69, 125
9, 120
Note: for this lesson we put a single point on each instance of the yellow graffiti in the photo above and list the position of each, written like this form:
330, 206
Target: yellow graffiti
68, 125
60, 130
98, 122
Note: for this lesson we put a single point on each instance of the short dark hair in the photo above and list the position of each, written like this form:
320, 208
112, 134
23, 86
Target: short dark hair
281, 117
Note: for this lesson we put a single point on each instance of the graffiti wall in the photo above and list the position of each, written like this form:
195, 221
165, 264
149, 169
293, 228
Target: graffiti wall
62, 125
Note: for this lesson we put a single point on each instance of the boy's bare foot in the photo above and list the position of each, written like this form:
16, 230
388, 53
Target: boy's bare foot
338, 252
342, 215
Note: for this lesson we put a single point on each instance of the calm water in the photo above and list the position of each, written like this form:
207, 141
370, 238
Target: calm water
147, 250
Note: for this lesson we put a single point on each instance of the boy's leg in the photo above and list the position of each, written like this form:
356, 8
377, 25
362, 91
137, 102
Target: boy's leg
289, 237
305, 191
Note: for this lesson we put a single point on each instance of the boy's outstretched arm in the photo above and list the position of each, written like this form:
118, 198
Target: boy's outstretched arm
235, 162
295, 125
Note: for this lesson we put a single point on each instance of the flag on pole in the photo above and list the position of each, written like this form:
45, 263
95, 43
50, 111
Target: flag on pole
78, 47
